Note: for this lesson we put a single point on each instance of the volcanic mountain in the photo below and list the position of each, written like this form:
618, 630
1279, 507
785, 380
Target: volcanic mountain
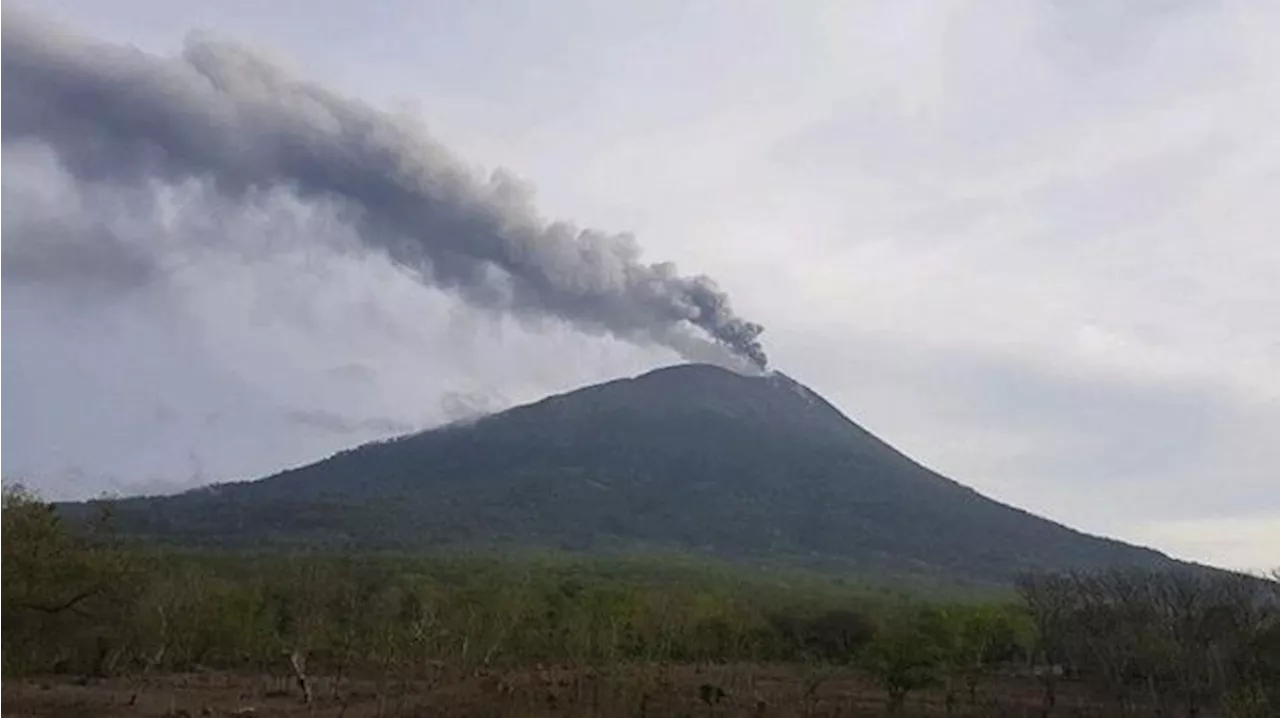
687, 458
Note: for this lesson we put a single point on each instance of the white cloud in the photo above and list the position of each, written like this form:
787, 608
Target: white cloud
1245, 543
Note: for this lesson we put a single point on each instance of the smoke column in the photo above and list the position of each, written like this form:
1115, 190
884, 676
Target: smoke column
222, 115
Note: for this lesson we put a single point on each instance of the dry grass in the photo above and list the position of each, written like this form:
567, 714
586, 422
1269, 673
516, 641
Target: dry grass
685, 690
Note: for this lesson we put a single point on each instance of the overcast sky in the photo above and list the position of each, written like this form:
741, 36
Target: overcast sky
1032, 244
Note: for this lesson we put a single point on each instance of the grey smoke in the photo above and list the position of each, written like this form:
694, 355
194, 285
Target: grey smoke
221, 115
338, 424
461, 407
56, 251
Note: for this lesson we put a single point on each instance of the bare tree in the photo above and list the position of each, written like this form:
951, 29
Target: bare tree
1049, 599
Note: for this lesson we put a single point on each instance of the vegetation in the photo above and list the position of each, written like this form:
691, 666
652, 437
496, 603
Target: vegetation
1180, 642
80, 604
684, 459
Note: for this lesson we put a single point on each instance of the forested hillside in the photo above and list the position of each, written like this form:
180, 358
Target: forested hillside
687, 458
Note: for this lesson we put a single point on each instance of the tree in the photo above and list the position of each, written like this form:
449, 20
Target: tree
61, 588
909, 652
986, 635
1178, 639
1049, 601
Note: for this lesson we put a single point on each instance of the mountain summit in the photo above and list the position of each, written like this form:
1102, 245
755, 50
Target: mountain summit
689, 457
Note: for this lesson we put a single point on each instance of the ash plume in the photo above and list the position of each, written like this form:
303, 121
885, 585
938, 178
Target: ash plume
221, 115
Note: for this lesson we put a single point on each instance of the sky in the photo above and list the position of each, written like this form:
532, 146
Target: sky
1030, 243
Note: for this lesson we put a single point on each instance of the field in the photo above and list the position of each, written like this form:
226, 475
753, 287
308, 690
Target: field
686, 690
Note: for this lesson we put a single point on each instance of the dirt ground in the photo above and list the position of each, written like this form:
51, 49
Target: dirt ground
744, 690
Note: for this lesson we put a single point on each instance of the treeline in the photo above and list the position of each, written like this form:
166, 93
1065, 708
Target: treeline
1174, 642
75, 602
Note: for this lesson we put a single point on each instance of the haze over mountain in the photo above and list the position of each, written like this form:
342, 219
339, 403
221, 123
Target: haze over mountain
689, 458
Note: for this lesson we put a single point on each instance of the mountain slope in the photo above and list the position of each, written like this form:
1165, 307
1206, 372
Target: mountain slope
686, 457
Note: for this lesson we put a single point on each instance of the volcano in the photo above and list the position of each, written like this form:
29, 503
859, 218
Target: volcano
688, 458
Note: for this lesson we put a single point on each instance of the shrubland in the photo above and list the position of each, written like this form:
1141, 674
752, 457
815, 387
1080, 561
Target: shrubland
77, 602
